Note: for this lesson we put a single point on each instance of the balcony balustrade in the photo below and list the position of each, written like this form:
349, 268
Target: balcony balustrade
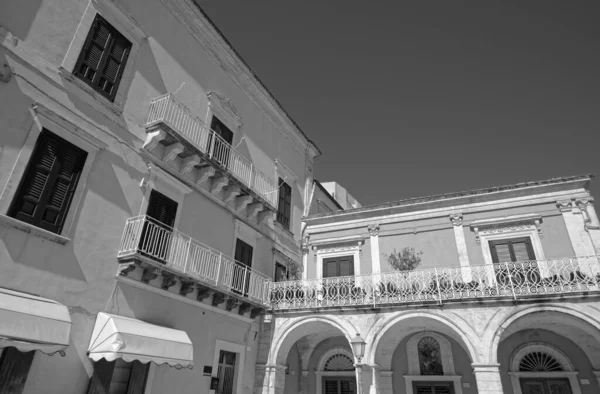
177, 254
515, 280
213, 150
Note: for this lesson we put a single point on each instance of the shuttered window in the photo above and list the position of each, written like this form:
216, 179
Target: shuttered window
226, 372
243, 253
118, 377
338, 266
14, 368
511, 250
285, 204
340, 386
162, 208
281, 273
433, 388
103, 58
47, 188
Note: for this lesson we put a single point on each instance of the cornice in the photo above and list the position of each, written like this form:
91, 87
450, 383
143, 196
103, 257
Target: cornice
199, 25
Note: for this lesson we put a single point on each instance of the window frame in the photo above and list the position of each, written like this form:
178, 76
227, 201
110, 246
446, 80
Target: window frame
285, 269
239, 361
46, 118
499, 233
116, 35
284, 217
510, 241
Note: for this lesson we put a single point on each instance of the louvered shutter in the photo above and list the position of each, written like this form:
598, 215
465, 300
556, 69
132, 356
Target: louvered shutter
518, 249
285, 204
103, 58
422, 389
331, 386
162, 208
348, 386
522, 250
137, 379
14, 368
100, 381
51, 178
501, 253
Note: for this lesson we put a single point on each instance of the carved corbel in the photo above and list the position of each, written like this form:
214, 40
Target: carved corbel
149, 275
564, 205
188, 164
305, 244
373, 230
218, 184
244, 307
168, 281
232, 303
254, 312
186, 288
360, 245
254, 209
265, 215
125, 269
314, 248
172, 151
231, 193
203, 293
204, 174
242, 202
218, 299
477, 238
456, 219
582, 204
153, 138
538, 226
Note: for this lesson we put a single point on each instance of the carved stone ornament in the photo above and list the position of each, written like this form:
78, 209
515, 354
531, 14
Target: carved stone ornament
224, 107
523, 226
305, 243
564, 205
457, 219
373, 230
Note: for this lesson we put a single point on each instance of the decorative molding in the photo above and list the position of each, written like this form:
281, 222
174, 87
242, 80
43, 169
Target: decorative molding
204, 174
242, 202
456, 219
153, 138
223, 108
305, 246
188, 164
218, 184
340, 247
172, 151
231, 193
564, 205
506, 224
373, 230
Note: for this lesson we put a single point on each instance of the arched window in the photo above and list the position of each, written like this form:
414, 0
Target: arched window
430, 356
539, 362
339, 362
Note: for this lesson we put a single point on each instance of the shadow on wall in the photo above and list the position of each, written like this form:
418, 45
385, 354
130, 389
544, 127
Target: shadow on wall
19, 16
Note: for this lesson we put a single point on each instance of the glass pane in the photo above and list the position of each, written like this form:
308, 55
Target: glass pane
503, 253
521, 251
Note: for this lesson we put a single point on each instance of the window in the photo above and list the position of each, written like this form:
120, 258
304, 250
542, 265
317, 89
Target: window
281, 273
103, 58
430, 357
243, 253
118, 377
219, 148
511, 250
241, 275
226, 372
340, 385
433, 388
47, 187
338, 266
14, 368
155, 240
285, 204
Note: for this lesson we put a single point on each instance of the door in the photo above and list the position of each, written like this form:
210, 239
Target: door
433, 388
339, 386
520, 252
155, 240
545, 386
338, 291
241, 267
220, 147
226, 372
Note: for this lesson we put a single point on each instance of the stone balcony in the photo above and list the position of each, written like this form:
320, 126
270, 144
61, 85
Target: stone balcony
181, 143
570, 276
156, 254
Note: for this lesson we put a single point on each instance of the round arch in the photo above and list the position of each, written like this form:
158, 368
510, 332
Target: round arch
457, 330
305, 326
575, 319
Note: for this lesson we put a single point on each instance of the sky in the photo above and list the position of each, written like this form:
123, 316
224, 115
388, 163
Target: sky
414, 98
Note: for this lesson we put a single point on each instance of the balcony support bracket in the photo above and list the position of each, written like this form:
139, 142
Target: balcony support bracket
218, 299
231, 193
204, 174
254, 209
203, 293
188, 164
218, 184
172, 151
153, 138
242, 202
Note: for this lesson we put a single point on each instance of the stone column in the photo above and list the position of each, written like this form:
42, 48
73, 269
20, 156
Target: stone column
487, 377
305, 251
273, 379
597, 374
304, 384
385, 384
461, 246
575, 222
374, 379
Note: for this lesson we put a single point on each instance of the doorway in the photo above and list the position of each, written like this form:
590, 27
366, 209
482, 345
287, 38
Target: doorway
336, 385
545, 386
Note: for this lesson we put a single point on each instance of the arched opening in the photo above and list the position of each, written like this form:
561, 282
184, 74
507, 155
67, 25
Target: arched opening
422, 352
548, 352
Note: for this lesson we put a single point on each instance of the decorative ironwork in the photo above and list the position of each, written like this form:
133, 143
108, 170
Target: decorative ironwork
539, 362
505, 280
339, 362
430, 356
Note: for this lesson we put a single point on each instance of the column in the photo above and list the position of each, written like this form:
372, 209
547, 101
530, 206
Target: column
375, 259
574, 220
385, 384
461, 246
273, 378
374, 379
304, 383
305, 251
590, 218
487, 377
597, 374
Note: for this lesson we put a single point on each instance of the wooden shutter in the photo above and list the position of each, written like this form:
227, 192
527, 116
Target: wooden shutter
285, 204
14, 368
101, 378
103, 58
331, 386
138, 377
511, 250
221, 130
243, 253
226, 372
347, 386
50, 180
338, 266
162, 208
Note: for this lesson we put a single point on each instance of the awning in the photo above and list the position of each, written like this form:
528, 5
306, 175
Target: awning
131, 339
29, 322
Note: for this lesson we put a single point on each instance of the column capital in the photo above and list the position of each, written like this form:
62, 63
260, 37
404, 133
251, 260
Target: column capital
564, 205
272, 367
373, 229
492, 367
305, 373
456, 219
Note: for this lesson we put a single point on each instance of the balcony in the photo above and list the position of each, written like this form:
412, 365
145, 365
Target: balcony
508, 281
183, 143
177, 261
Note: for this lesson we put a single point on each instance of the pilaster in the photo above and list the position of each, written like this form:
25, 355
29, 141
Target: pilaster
374, 238
461, 245
574, 219
273, 378
487, 377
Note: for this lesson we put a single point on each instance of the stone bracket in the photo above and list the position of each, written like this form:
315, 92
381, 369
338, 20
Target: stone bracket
186, 288
204, 174
188, 164
244, 307
218, 184
231, 193
232, 303
242, 202
172, 151
254, 209
218, 299
149, 275
153, 138
168, 281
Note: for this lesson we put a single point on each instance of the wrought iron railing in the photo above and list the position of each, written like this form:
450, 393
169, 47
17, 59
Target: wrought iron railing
167, 109
144, 236
505, 280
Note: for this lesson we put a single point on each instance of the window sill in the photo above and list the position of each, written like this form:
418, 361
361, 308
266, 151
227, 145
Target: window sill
111, 106
9, 222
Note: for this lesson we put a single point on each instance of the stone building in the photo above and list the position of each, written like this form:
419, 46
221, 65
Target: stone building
497, 292
151, 189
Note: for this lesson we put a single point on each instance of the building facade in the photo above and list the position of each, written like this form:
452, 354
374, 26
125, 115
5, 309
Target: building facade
151, 189
482, 292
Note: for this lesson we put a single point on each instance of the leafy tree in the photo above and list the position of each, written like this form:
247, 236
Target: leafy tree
406, 259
